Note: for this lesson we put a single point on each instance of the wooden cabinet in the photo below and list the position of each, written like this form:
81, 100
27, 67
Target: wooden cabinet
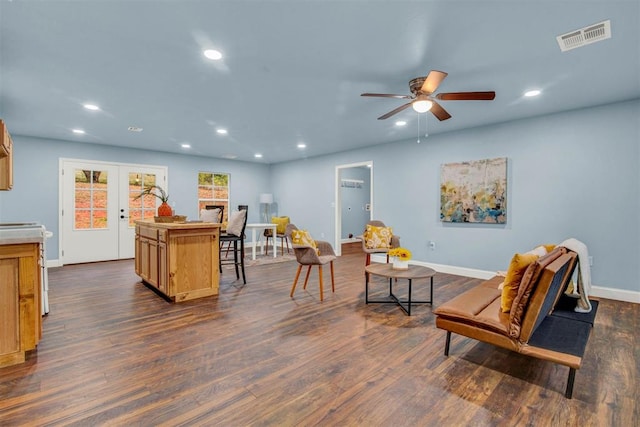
20, 294
6, 158
178, 260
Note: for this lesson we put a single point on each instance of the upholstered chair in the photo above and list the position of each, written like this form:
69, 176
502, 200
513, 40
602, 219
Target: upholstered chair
394, 242
281, 232
308, 255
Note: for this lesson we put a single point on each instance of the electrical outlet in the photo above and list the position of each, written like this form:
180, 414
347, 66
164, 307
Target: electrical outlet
432, 245
590, 260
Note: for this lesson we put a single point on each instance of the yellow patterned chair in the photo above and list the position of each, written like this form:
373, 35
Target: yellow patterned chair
377, 238
310, 252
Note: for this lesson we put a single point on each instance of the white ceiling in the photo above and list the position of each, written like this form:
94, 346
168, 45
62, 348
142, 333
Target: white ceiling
294, 70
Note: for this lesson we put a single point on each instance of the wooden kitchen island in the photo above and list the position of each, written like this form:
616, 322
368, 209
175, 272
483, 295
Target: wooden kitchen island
178, 260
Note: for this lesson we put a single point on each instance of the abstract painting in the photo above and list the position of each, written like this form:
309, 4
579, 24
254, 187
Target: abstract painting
474, 191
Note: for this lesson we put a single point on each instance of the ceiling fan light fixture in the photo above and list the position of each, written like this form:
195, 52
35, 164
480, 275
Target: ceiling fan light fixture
422, 105
92, 107
213, 54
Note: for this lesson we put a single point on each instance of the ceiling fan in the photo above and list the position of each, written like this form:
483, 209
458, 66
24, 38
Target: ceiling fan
424, 100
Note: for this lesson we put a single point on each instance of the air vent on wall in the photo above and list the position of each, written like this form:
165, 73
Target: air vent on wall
584, 36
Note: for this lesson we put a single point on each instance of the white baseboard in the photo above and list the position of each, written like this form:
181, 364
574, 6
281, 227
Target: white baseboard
352, 240
615, 294
596, 291
53, 263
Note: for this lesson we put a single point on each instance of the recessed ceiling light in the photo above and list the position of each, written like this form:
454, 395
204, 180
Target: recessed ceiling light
213, 54
134, 129
534, 92
257, 156
92, 107
222, 131
78, 131
185, 145
302, 145
401, 123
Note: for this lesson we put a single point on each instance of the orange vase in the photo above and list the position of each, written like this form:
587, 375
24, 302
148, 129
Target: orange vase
165, 210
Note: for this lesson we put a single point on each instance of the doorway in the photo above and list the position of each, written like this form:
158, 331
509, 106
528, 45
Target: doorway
354, 204
99, 208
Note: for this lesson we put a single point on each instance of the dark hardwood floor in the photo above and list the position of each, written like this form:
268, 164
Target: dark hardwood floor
115, 353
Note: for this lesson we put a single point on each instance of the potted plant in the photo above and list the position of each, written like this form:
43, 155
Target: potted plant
155, 190
401, 257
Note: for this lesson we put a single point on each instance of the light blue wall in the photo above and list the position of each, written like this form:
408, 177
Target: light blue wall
34, 196
573, 174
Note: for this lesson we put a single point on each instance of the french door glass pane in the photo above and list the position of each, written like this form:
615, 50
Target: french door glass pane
99, 217
143, 207
90, 199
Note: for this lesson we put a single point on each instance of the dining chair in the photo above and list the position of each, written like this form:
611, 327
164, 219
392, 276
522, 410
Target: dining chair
207, 215
281, 232
309, 254
234, 237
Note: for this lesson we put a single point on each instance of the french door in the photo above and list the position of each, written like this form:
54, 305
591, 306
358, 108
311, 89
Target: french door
99, 207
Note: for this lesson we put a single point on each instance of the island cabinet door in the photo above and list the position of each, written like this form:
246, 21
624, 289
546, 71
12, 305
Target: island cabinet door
162, 262
153, 263
137, 253
144, 258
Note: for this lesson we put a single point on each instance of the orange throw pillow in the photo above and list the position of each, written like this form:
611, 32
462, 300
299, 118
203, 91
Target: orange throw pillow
517, 267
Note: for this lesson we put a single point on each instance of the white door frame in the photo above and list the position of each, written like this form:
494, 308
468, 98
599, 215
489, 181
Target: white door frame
338, 201
61, 193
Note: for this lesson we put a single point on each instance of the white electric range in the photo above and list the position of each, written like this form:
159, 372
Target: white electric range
30, 232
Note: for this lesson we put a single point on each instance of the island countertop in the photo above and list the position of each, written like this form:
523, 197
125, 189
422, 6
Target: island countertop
177, 225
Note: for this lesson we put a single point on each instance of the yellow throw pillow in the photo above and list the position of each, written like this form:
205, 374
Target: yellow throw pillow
517, 267
281, 223
377, 237
549, 247
303, 238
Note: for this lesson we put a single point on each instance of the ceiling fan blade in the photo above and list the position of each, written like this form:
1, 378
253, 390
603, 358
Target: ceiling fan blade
467, 96
440, 113
386, 95
396, 111
432, 81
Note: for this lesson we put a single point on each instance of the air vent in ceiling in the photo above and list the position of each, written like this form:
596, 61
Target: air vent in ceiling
584, 36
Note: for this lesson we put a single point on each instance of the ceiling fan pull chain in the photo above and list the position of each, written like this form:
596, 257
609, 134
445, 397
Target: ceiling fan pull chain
426, 126
418, 128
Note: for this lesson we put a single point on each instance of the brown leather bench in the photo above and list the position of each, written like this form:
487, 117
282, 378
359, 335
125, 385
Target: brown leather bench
541, 322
